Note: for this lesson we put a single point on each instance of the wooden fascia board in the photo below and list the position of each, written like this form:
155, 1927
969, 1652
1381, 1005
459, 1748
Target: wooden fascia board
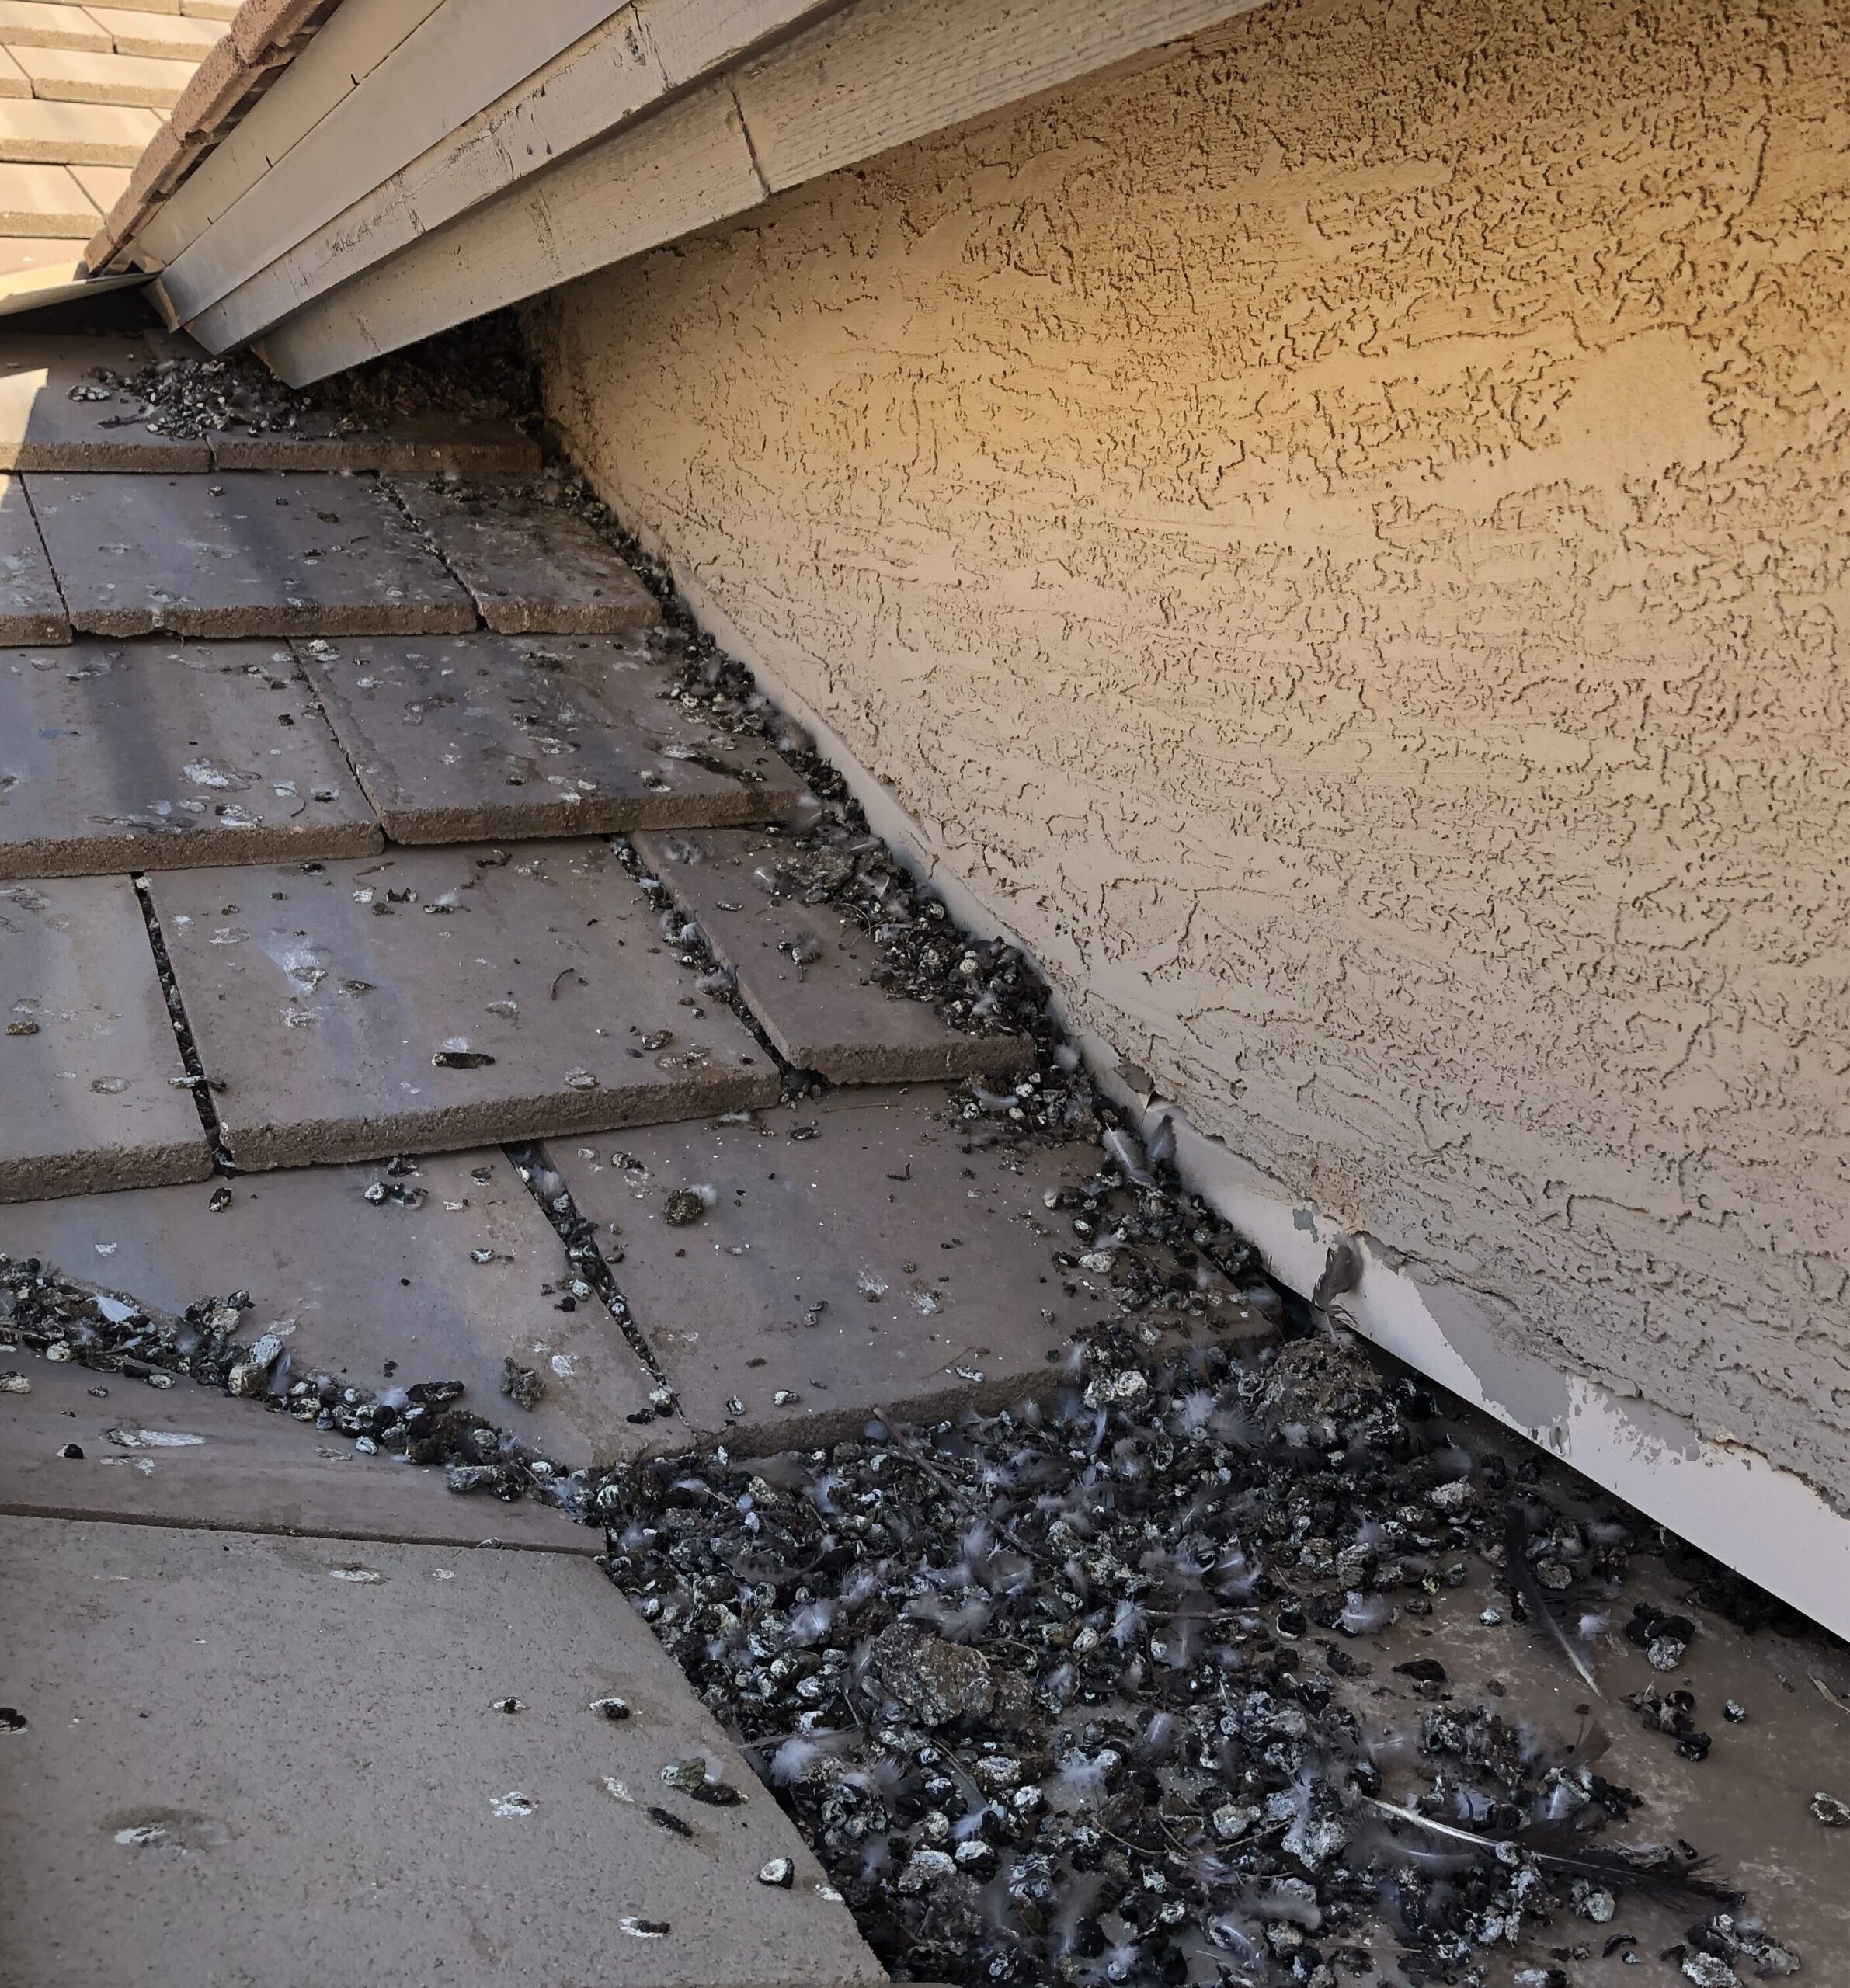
640, 55
462, 57
603, 80
875, 74
673, 172
357, 38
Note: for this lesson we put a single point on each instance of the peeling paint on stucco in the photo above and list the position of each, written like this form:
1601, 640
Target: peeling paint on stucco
1337, 538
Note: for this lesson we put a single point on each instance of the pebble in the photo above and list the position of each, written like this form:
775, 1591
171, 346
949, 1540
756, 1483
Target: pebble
924, 1868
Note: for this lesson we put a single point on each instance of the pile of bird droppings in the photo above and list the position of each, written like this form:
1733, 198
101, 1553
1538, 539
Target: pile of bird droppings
1072, 1694
481, 372
426, 1421
982, 986
1078, 1692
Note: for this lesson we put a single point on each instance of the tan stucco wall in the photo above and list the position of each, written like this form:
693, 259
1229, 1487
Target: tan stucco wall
1338, 534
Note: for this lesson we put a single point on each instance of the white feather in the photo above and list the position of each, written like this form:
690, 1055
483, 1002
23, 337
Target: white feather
1127, 1624
1364, 1613
795, 1759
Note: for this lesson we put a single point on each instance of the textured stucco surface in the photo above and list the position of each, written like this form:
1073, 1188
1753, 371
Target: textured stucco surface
1337, 533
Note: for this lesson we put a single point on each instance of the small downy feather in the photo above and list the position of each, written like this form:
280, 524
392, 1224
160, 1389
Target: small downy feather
794, 1759
1079, 1784
1194, 1412
1225, 1932
1127, 1624
1159, 1738
1121, 1144
1522, 1579
811, 1622
1078, 1896
958, 1621
1231, 1423
862, 1585
1364, 1613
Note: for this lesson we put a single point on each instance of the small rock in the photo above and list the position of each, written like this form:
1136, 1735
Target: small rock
935, 1680
1452, 1497
613, 1709
717, 1795
781, 1872
1312, 1380
13, 1382
995, 1774
1664, 1653
522, 1386
925, 1867
1232, 1819
73, 1452
1827, 1809
250, 1377
1123, 1390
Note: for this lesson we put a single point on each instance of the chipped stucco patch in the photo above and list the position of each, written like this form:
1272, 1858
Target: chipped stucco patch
1337, 537
1713, 1490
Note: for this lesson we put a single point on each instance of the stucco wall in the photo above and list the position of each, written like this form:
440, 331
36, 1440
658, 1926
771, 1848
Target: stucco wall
1338, 534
